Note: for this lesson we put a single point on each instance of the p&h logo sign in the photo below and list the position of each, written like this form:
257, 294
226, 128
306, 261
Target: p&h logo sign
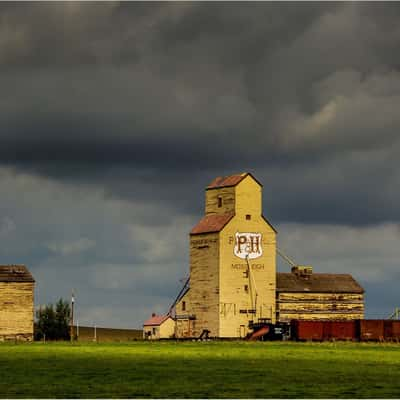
248, 244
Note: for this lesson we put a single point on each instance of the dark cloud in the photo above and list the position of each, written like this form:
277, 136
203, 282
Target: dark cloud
115, 116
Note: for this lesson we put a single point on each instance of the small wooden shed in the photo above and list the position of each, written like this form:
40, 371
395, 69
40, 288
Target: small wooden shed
16, 303
159, 327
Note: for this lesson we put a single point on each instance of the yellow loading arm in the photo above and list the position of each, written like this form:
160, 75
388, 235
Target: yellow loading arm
286, 258
296, 268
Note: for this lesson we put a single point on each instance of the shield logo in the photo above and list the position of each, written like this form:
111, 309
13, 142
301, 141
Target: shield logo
248, 244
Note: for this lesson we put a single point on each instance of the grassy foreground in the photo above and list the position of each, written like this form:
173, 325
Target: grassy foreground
200, 369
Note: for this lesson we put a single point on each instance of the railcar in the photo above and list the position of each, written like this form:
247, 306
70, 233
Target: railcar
314, 330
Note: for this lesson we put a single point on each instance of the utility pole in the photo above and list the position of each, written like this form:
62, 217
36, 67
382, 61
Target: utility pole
72, 315
395, 314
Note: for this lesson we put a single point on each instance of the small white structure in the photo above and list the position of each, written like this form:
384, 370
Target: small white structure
159, 327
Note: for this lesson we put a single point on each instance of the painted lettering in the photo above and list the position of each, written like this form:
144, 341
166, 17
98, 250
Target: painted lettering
244, 266
248, 245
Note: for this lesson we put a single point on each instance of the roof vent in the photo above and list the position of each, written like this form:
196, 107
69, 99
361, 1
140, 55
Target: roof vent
302, 271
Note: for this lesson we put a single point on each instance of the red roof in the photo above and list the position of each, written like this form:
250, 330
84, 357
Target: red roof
226, 181
223, 181
212, 223
156, 320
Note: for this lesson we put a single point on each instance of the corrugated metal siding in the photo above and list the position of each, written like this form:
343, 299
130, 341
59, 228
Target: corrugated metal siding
396, 330
308, 330
372, 329
392, 330
340, 330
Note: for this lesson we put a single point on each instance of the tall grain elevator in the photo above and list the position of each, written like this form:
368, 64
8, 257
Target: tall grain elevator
233, 285
232, 263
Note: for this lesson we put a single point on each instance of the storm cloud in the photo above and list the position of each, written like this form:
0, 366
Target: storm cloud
115, 116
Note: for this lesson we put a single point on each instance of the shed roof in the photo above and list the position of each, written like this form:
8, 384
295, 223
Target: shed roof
156, 320
231, 180
15, 273
317, 283
212, 223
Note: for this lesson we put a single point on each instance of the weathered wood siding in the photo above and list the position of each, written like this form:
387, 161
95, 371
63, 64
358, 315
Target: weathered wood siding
204, 283
183, 306
184, 328
183, 324
237, 289
318, 306
16, 310
227, 195
248, 198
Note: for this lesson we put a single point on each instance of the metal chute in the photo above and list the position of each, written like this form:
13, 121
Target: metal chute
180, 294
252, 286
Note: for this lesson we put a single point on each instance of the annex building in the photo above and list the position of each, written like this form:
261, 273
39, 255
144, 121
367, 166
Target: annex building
302, 294
233, 280
16, 302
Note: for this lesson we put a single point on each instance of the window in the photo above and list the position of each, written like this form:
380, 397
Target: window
248, 217
183, 305
154, 331
219, 201
246, 288
245, 274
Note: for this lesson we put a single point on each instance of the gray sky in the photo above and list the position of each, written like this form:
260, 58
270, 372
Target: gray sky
114, 117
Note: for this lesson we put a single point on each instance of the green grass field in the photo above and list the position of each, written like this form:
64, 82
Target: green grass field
200, 369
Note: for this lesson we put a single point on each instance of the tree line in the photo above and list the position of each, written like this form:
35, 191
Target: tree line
53, 321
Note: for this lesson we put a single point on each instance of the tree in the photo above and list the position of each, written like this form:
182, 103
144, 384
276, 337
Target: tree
62, 319
53, 321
